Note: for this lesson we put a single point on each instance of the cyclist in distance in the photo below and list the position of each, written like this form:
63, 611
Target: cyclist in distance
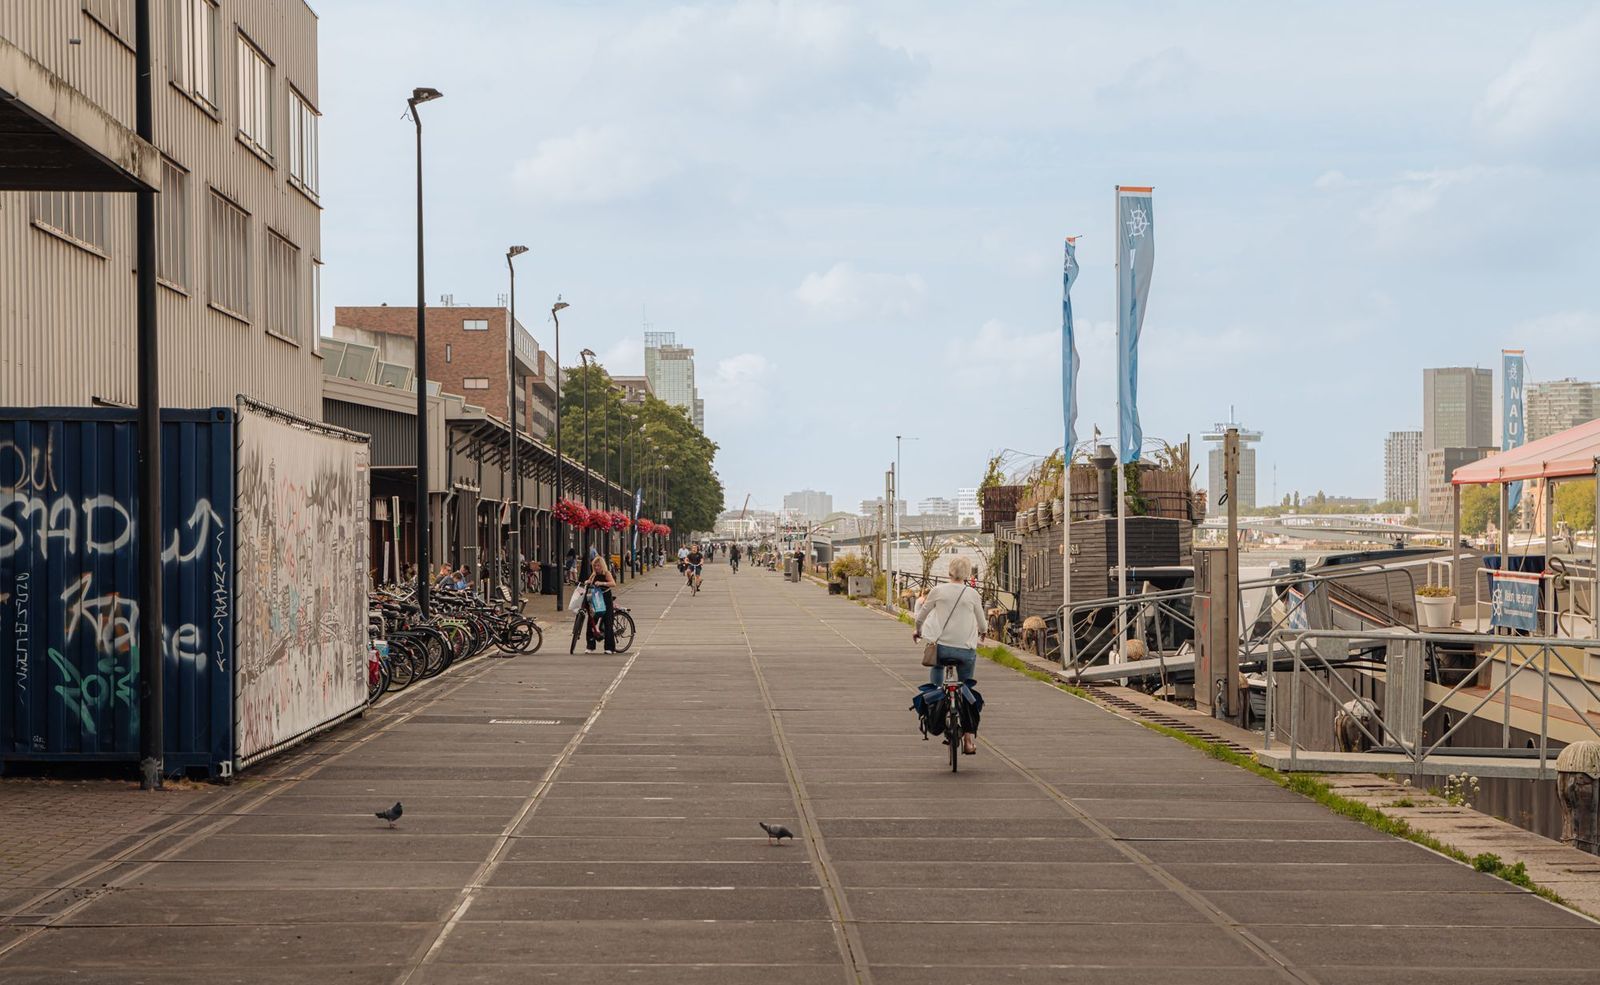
694, 560
733, 558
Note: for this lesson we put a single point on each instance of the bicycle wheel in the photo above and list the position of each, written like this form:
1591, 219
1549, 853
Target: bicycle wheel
952, 732
402, 663
521, 636
578, 621
622, 630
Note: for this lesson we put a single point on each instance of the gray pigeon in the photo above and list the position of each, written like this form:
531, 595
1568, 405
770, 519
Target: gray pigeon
391, 815
776, 832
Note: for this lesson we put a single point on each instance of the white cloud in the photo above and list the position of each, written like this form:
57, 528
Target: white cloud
592, 165
624, 357
1162, 74
758, 56
740, 387
1332, 181
1545, 100
844, 292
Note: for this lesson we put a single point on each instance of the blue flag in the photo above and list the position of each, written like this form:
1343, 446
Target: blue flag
1513, 372
1069, 351
1136, 255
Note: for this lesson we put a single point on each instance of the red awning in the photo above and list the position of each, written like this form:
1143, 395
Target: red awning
1561, 455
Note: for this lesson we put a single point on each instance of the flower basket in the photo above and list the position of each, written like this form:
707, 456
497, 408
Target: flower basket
646, 525
1436, 607
599, 520
571, 513
620, 520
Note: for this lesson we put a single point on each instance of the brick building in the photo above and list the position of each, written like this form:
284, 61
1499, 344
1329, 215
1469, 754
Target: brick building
467, 356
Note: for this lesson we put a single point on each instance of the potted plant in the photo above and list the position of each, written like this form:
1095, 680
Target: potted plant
1436, 607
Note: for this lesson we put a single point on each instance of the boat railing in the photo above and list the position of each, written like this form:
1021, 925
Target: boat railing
1099, 633
1401, 727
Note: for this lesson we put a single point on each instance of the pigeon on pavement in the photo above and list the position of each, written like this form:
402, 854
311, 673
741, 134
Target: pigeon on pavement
391, 815
776, 832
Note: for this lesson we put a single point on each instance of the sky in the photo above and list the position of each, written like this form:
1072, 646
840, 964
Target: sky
854, 212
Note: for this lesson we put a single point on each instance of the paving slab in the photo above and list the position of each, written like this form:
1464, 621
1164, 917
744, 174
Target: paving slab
640, 861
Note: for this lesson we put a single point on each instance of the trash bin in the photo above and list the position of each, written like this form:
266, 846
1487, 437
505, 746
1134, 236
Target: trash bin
549, 579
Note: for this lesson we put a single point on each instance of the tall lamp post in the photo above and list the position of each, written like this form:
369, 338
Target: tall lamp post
583, 551
561, 462
515, 495
418, 97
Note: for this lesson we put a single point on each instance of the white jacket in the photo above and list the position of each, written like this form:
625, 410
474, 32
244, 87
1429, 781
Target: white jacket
952, 616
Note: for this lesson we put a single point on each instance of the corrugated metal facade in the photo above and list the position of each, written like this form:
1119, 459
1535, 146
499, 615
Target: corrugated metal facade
67, 313
69, 585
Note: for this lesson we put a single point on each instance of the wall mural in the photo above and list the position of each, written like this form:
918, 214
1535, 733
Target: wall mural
301, 628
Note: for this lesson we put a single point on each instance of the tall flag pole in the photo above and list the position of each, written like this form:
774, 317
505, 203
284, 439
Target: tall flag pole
1513, 376
1136, 254
1069, 408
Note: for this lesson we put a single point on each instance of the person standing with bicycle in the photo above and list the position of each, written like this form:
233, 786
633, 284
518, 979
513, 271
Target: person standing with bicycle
602, 601
952, 619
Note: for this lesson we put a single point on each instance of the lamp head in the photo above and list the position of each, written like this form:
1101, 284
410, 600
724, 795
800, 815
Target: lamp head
586, 355
424, 94
516, 251
559, 306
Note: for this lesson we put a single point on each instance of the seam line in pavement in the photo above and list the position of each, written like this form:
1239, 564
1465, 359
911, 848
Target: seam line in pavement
497, 855
239, 800
1266, 952
850, 944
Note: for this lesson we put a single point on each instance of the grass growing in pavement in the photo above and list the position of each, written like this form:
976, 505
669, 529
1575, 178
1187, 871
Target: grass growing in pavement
1307, 785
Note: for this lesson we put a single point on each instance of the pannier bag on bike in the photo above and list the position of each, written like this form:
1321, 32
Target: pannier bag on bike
928, 704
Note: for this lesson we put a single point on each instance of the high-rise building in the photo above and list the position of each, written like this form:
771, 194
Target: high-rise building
1458, 408
968, 512
1402, 456
1561, 404
670, 369
937, 506
1441, 465
809, 503
634, 388
1215, 479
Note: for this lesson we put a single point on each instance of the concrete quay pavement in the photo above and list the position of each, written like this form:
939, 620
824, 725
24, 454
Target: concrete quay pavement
592, 819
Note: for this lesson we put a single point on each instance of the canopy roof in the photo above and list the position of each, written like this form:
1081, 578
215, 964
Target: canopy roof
1561, 455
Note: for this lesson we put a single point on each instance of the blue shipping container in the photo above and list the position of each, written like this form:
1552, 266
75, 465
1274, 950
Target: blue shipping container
69, 610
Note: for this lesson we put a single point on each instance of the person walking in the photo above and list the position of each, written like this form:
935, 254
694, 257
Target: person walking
602, 582
952, 619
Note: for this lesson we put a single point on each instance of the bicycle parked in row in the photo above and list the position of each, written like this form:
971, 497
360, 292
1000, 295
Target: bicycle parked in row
407, 648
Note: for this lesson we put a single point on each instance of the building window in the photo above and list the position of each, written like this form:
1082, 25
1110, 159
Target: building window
255, 97
283, 287
228, 266
474, 325
194, 35
115, 16
316, 304
172, 226
79, 217
476, 383
302, 143
447, 352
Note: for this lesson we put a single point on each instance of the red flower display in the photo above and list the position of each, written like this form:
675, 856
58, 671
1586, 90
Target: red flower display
646, 525
599, 520
571, 513
620, 520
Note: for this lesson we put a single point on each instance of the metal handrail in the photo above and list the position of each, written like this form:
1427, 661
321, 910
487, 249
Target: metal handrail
1069, 648
1513, 651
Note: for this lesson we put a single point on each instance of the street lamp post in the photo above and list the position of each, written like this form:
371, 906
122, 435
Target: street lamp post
418, 97
561, 463
515, 494
583, 550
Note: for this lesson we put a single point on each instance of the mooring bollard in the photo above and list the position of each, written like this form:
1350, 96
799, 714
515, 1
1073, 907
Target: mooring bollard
1578, 789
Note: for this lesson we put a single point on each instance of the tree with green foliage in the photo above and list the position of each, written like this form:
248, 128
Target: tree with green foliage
694, 494
1575, 503
1480, 505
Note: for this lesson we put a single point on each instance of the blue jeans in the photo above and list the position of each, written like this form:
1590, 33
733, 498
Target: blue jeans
965, 659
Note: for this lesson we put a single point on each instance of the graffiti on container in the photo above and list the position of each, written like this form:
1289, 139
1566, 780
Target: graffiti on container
67, 597
28, 468
95, 694
301, 607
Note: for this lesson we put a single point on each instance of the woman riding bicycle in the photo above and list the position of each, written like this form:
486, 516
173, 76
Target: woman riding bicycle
952, 619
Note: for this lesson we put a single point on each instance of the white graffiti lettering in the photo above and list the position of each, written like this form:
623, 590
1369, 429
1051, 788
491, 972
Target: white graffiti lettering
107, 527
200, 520
32, 468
